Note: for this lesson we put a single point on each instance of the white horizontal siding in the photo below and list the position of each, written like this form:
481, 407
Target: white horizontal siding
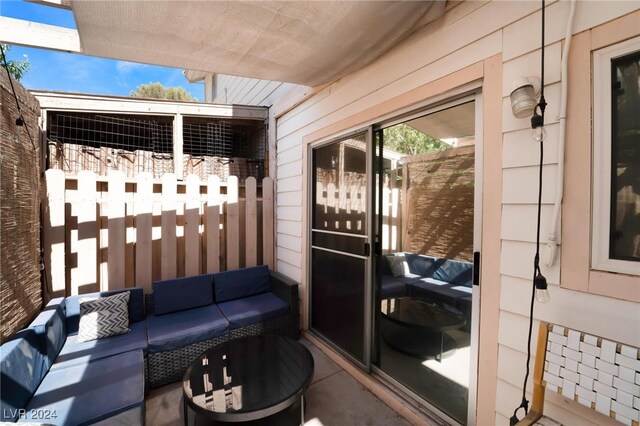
289, 199
516, 260
292, 154
289, 213
469, 33
516, 219
603, 316
520, 150
289, 227
248, 91
520, 185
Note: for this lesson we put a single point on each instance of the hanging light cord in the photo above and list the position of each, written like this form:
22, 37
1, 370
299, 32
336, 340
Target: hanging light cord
537, 120
20, 116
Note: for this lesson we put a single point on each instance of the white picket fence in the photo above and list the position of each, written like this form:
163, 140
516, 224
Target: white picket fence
111, 233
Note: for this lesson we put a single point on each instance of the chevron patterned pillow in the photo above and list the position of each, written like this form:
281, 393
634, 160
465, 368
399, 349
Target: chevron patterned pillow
103, 317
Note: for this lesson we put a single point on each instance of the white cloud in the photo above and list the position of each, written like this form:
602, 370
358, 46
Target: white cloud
126, 67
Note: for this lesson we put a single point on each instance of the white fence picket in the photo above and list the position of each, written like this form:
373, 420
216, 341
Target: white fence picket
251, 223
54, 233
213, 224
267, 222
144, 225
233, 224
192, 227
168, 267
117, 216
84, 277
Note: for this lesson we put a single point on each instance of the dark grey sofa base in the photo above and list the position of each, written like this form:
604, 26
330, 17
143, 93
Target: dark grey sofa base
169, 366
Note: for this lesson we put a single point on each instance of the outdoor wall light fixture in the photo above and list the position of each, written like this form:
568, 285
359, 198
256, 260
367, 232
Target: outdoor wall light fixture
524, 96
523, 104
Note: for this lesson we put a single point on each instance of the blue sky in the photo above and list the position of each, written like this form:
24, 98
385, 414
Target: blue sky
69, 72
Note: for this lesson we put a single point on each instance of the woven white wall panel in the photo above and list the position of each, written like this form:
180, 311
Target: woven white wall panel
631, 388
603, 404
624, 398
603, 389
586, 382
607, 367
625, 361
571, 365
608, 352
588, 360
626, 374
568, 388
587, 394
628, 412
605, 378
573, 340
589, 349
588, 371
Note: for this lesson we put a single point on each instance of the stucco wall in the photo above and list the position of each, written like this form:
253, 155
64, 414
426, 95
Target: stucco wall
473, 34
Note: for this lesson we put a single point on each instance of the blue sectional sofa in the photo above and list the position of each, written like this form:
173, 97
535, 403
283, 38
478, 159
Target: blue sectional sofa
444, 280
49, 376
187, 316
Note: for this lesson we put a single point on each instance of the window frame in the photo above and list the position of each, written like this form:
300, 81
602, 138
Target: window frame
602, 145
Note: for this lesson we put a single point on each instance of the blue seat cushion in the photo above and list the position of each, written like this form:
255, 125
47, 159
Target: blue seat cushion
90, 392
23, 364
171, 331
75, 352
182, 293
392, 287
231, 285
51, 325
253, 309
136, 306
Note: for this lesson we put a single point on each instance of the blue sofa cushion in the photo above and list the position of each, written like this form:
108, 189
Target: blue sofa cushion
91, 392
422, 265
455, 272
136, 306
253, 309
231, 285
23, 364
51, 324
167, 332
392, 287
75, 352
181, 294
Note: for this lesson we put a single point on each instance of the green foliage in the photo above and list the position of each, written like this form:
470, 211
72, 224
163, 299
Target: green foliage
158, 91
407, 140
17, 69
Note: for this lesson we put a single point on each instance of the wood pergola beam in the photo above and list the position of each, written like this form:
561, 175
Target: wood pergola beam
33, 34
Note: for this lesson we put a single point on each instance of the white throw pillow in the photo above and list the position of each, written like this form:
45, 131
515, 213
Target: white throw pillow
104, 317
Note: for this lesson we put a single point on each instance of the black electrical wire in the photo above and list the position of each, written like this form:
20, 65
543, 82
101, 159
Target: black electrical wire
537, 121
20, 116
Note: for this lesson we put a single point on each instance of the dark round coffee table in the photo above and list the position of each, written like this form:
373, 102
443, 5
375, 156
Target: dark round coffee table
417, 327
248, 379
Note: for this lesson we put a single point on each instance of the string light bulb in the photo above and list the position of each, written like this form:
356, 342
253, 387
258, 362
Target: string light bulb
542, 290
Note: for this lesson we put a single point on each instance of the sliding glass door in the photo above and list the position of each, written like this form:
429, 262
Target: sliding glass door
340, 250
425, 218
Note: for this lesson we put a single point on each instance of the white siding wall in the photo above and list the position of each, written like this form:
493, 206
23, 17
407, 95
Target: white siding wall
230, 89
470, 33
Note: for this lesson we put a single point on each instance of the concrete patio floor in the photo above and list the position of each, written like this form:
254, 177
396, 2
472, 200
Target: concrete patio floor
334, 398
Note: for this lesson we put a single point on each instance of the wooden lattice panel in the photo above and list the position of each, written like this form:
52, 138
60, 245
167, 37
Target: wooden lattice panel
601, 374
